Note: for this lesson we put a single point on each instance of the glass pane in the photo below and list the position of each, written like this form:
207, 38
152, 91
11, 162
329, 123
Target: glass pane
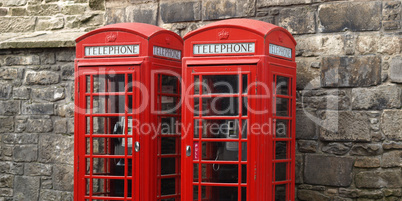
244, 129
221, 173
168, 145
108, 104
168, 166
243, 194
204, 108
110, 166
282, 128
223, 151
280, 171
281, 150
195, 172
222, 193
196, 84
168, 186
280, 192
243, 174
195, 192
282, 85
213, 84
245, 83
282, 107
88, 83
244, 108
169, 104
109, 125
168, 125
88, 104
130, 83
223, 128
169, 84
221, 106
110, 146
109, 83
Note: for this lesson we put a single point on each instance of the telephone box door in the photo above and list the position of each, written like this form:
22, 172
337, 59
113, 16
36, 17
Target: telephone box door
218, 161
108, 108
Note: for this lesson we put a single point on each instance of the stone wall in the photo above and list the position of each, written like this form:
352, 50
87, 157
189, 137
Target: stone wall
349, 108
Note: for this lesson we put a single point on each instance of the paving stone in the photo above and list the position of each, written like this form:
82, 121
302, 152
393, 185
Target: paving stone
328, 170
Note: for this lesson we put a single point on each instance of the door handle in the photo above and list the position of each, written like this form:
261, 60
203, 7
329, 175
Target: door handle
137, 146
188, 150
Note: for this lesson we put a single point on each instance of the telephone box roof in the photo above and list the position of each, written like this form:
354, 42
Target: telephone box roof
256, 26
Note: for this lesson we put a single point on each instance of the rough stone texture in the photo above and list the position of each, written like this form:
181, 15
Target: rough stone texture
333, 99
145, 13
366, 150
390, 178
308, 77
222, 9
38, 108
180, 11
395, 72
345, 126
387, 145
26, 188
17, 24
9, 107
298, 20
63, 177
381, 97
56, 149
38, 169
299, 169
51, 94
391, 124
336, 148
42, 78
310, 195
306, 128
391, 159
307, 146
6, 124
368, 162
316, 45
47, 23
328, 170
25, 153
355, 16
351, 71
266, 3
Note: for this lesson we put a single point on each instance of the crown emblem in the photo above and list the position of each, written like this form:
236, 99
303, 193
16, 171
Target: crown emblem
168, 40
223, 35
111, 37
280, 37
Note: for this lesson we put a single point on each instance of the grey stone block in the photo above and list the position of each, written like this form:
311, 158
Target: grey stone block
355, 16
395, 72
390, 178
351, 71
180, 11
42, 78
381, 97
63, 177
17, 24
96, 4
13, 138
366, 150
26, 188
328, 170
115, 15
57, 149
309, 195
66, 54
306, 128
21, 93
268, 3
39, 125
38, 109
10, 73
38, 169
51, 94
307, 146
144, 13
9, 107
222, 9
391, 159
333, 99
6, 181
6, 124
368, 162
23, 60
336, 148
389, 145
345, 126
25, 153
391, 124
299, 20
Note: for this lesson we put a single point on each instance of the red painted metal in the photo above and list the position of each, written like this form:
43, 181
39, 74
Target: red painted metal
116, 91
262, 164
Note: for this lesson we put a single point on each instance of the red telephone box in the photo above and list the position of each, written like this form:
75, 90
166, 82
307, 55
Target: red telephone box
239, 79
128, 86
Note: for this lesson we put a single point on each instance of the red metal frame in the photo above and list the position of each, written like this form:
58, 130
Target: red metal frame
99, 153
270, 157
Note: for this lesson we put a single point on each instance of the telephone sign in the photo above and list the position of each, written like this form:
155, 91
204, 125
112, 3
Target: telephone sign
238, 112
127, 141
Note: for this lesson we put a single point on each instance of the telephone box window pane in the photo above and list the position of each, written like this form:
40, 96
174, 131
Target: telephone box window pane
169, 104
281, 150
243, 174
168, 125
87, 126
169, 84
243, 194
281, 130
117, 187
222, 193
111, 146
168, 166
245, 83
220, 84
88, 145
88, 84
88, 104
168, 145
280, 171
108, 104
196, 129
108, 125
244, 151
130, 83
129, 106
87, 186
280, 192
282, 107
195, 172
168, 186
195, 192
196, 84
205, 108
109, 83
244, 129
220, 128
244, 106
222, 151
282, 85
221, 173
221, 106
